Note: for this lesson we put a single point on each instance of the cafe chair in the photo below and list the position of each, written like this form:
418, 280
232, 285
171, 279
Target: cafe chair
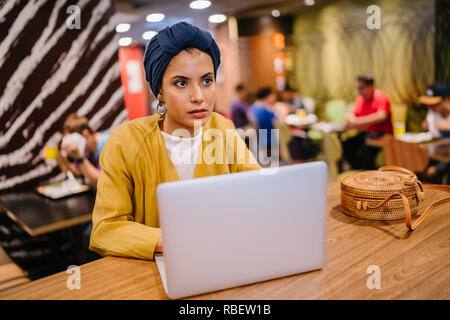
285, 138
336, 110
404, 154
333, 152
446, 179
316, 135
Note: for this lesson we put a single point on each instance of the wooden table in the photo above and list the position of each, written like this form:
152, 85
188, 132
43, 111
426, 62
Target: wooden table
414, 265
38, 215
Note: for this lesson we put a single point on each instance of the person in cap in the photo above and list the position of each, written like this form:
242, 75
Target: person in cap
437, 100
437, 122
180, 64
372, 117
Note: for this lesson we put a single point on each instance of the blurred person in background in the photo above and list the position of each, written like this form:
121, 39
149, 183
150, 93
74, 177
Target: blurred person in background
262, 110
282, 109
437, 100
81, 163
290, 96
371, 116
437, 122
241, 116
301, 147
299, 102
84, 164
239, 108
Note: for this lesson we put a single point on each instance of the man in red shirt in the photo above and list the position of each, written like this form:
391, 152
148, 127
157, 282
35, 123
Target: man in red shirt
372, 117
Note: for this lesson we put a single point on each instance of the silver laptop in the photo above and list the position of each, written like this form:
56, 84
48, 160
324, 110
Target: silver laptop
230, 230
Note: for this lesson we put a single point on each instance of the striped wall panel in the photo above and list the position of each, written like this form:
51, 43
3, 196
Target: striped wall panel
48, 71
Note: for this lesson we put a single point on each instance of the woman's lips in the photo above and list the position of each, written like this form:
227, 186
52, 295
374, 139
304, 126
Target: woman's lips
199, 113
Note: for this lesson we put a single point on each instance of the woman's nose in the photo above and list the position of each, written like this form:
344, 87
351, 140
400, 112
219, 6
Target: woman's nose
197, 95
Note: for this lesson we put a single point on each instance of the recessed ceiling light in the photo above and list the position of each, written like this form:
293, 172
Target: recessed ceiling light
155, 17
125, 41
123, 27
275, 13
147, 35
217, 18
309, 2
200, 4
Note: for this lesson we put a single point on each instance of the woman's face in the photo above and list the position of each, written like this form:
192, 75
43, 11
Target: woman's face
188, 90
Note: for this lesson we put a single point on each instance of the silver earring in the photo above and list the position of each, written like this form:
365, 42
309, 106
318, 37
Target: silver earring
161, 108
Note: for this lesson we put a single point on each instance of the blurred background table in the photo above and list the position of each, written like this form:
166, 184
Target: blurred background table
304, 122
413, 265
378, 142
438, 150
38, 215
44, 236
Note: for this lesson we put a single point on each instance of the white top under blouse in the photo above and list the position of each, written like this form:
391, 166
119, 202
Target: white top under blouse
183, 153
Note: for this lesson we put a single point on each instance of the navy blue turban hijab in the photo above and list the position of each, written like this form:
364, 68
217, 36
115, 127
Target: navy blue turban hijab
168, 43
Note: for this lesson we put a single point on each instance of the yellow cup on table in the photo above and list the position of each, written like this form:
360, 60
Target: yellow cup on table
399, 128
399, 112
51, 153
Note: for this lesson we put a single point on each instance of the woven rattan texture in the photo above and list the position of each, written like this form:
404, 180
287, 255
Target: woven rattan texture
362, 192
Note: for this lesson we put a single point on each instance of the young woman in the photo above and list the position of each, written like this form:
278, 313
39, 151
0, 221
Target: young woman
180, 64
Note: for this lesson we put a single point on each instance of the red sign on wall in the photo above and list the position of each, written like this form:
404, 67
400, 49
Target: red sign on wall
133, 81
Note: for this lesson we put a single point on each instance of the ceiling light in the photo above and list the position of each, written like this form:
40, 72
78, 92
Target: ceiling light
309, 2
275, 13
147, 35
217, 18
155, 17
200, 4
125, 41
123, 27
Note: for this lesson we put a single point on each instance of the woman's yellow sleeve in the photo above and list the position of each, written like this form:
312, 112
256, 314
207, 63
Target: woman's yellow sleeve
115, 231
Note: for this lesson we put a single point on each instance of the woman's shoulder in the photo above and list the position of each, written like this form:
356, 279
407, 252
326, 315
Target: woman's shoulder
137, 128
131, 135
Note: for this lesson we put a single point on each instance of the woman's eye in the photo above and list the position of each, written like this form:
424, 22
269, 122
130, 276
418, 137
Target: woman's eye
181, 84
207, 81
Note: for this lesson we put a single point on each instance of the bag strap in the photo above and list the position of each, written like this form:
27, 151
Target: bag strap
430, 207
422, 217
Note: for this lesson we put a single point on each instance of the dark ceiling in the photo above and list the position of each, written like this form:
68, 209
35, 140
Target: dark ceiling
135, 11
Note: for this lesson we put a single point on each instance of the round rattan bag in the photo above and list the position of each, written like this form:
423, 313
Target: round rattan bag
387, 194
363, 192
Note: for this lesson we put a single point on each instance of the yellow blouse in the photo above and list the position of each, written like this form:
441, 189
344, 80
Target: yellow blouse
134, 161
